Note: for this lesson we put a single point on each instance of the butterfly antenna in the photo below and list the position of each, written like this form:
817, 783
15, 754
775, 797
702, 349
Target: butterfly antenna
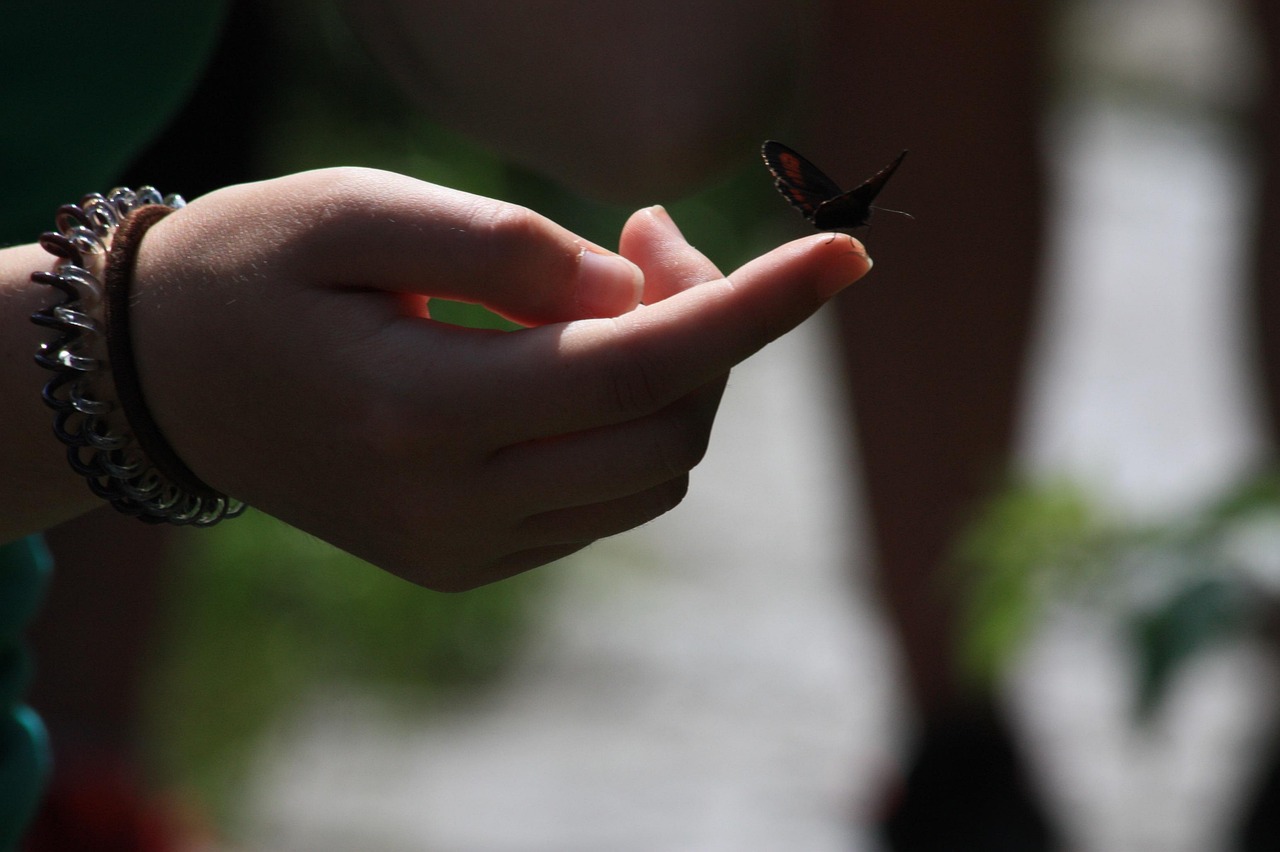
899, 212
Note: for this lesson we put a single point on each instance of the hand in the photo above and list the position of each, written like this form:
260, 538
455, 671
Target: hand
284, 347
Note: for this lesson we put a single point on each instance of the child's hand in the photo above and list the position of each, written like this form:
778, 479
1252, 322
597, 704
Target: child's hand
283, 343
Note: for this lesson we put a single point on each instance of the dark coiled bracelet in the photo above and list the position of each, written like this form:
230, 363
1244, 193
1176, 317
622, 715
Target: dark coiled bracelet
99, 410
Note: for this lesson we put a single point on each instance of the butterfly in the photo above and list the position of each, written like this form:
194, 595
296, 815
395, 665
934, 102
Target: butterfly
817, 196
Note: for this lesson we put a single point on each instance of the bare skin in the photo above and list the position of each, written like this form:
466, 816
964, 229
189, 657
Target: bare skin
451, 457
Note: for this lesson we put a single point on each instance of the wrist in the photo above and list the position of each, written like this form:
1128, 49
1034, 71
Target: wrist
38, 489
99, 411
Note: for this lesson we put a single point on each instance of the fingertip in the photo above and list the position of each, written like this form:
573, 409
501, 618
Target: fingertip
844, 262
646, 227
663, 219
608, 284
652, 239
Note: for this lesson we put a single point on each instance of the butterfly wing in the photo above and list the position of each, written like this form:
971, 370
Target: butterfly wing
852, 209
800, 181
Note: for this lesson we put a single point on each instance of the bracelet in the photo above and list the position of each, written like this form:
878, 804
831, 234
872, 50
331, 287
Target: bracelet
99, 410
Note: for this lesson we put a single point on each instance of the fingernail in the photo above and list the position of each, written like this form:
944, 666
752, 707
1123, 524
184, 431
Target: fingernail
608, 284
664, 218
845, 269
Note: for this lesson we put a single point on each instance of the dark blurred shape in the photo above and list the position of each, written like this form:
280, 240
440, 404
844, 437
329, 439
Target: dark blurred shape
966, 791
934, 353
104, 808
212, 142
1260, 829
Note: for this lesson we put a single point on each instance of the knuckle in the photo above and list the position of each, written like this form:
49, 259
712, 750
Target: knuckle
634, 383
507, 223
325, 205
452, 582
508, 234
335, 194
448, 571
670, 494
631, 392
681, 447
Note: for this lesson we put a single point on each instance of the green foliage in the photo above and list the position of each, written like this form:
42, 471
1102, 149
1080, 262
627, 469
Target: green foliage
1216, 596
1260, 493
1024, 540
1195, 617
1179, 588
263, 615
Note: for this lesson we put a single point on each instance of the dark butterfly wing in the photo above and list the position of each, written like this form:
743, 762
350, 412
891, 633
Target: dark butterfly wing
852, 209
800, 181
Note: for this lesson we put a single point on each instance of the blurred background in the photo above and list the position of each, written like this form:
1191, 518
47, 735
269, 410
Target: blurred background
719, 679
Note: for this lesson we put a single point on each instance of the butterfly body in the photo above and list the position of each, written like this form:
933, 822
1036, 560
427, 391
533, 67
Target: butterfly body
818, 197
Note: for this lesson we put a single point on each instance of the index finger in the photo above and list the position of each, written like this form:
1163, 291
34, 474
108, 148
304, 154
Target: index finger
596, 372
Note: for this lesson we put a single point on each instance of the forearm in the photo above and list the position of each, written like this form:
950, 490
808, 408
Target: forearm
37, 487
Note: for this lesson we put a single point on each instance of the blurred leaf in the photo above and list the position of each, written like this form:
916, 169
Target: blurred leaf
1182, 587
1193, 620
1261, 492
1023, 538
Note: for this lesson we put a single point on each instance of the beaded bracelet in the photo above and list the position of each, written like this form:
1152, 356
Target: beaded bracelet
100, 414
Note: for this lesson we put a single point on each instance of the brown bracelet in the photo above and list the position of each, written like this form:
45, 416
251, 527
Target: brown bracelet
118, 283
101, 416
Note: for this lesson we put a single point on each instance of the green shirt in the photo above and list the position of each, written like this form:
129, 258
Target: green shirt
84, 86
24, 750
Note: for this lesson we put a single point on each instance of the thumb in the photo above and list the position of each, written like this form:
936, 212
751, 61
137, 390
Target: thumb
377, 230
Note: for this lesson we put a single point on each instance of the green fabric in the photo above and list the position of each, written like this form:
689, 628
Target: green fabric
84, 86
24, 768
25, 566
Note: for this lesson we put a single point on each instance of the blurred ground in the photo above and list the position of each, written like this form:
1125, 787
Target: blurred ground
719, 680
